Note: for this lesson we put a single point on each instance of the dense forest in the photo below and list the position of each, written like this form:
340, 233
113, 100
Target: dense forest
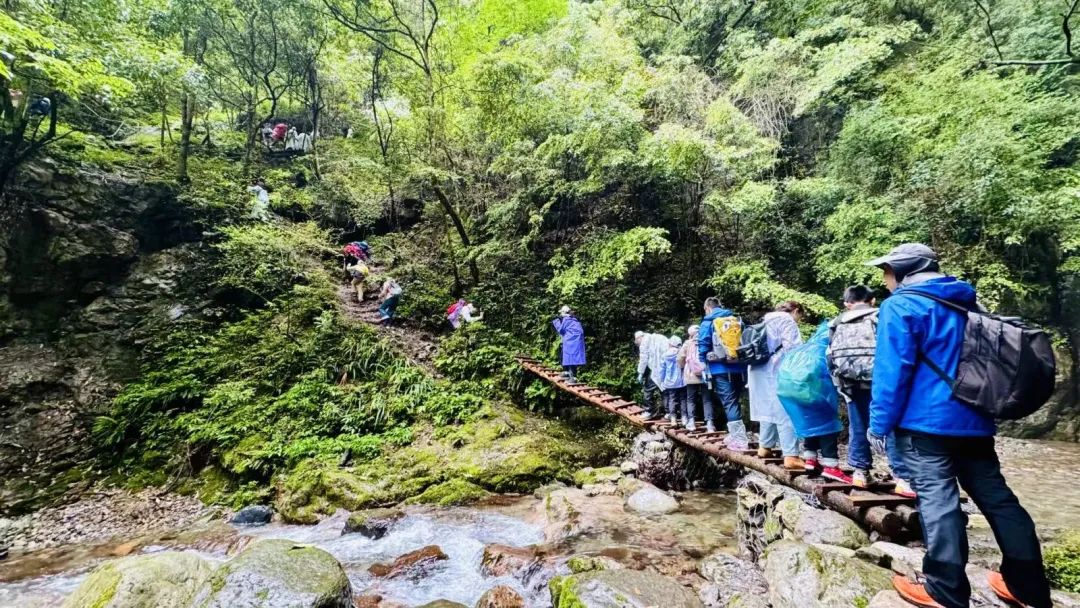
624, 157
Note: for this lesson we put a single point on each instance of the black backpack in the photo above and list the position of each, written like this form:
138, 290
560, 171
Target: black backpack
1007, 368
754, 345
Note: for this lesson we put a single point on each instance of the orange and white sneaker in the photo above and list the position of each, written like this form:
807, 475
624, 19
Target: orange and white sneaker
859, 478
903, 488
997, 583
913, 593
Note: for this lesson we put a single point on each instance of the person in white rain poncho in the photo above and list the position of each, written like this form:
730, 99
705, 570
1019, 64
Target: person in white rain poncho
651, 351
261, 209
782, 329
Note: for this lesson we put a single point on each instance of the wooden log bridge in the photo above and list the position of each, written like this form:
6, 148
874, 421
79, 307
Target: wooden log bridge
876, 506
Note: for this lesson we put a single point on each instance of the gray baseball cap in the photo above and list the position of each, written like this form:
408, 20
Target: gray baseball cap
906, 259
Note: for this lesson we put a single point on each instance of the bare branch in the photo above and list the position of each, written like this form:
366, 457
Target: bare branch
989, 27
1065, 26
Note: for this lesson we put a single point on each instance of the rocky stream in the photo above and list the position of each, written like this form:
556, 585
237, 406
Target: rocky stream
610, 540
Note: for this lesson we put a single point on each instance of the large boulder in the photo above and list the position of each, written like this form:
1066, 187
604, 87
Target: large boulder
501, 597
620, 589
504, 560
650, 500
161, 580
802, 576
825, 527
277, 574
372, 523
732, 582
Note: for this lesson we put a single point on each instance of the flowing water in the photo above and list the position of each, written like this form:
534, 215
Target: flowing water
1040, 472
704, 524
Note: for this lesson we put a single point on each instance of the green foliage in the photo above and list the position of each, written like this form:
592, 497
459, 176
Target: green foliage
1063, 563
608, 258
754, 283
266, 259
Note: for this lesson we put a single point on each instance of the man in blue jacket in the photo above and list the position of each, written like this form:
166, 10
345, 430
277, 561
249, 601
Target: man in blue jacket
943, 441
725, 380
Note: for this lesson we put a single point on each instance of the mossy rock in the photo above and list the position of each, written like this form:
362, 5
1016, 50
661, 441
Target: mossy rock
589, 475
372, 523
448, 493
800, 575
161, 580
277, 574
591, 563
620, 589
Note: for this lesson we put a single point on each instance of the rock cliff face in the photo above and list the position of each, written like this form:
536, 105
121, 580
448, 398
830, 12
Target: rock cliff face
89, 263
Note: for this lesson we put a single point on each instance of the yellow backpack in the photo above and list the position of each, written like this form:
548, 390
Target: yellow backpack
726, 337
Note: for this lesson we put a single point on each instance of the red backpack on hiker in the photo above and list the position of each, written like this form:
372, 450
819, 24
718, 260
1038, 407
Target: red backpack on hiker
453, 309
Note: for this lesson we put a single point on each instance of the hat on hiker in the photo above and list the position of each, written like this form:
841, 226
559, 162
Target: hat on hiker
674, 341
906, 259
692, 331
565, 310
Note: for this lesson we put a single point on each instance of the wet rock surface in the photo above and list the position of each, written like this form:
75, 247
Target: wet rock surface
162, 580
620, 589
501, 597
413, 563
650, 500
253, 515
504, 560
372, 523
732, 581
277, 574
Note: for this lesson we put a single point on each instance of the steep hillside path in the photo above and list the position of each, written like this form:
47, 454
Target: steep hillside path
417, 345
876, 506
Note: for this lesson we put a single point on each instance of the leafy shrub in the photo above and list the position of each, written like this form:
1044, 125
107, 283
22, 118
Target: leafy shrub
1063, 563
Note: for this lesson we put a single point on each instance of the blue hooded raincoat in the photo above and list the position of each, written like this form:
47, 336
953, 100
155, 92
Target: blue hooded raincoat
573, 340
907, 394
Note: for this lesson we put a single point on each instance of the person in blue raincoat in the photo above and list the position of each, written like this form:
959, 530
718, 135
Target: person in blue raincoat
573, 342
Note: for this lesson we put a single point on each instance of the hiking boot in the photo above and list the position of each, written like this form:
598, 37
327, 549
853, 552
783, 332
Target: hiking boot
913, 593
673, 419
794, 463
710, 427
647, 415
810, 464
836, 474
690, 425
997, 583
764, 452
903, 488
859, 478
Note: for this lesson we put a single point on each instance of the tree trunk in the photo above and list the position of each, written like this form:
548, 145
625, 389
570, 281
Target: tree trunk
459, 226
187, 121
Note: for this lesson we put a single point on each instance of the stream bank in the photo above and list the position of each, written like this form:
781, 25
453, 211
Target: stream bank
607, 535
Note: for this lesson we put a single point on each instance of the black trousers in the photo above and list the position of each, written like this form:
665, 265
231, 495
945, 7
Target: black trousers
936, 463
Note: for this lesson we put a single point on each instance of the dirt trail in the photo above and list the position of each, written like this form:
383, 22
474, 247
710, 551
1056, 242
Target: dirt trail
417, 345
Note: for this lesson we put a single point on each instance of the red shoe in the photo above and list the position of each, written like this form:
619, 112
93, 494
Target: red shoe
997, 583
836, 474
810, 464
913, 593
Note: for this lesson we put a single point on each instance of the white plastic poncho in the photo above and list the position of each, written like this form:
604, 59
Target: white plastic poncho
651, 353
783, 333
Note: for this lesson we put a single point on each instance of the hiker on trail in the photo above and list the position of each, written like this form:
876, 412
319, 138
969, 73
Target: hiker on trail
260, 210
279, 132
267, 134
775, 426
672, 385
921, 329
692, 367
852, 342
390, 294
462, 312
725, 379
290, 139
358, 275
651, 351
573, 342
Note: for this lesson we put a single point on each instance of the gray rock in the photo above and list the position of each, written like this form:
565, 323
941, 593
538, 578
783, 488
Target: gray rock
160, 580
650, 500
277, 574
620, 589
372, 523
898, 558
732, 582
628, 467
253, 515
801, 576
820, 526
888, 599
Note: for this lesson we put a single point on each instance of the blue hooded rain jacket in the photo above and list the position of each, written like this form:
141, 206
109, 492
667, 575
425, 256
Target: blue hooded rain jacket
907, 394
